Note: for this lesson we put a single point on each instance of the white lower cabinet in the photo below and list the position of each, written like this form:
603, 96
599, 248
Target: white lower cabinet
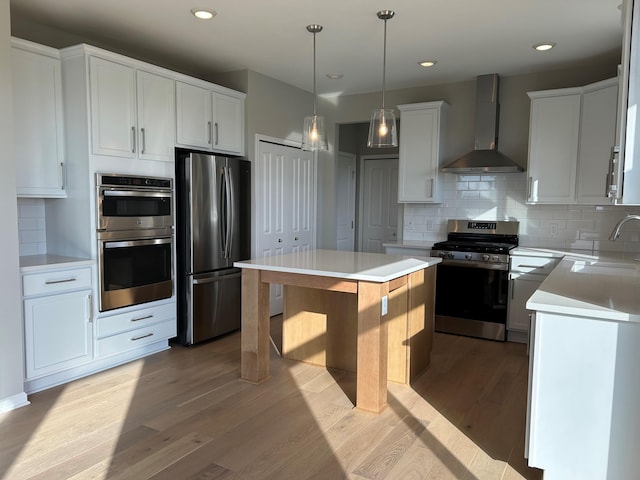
526, 274
136, 328
57, 316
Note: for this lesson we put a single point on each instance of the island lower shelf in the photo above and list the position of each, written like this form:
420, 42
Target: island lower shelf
321, 327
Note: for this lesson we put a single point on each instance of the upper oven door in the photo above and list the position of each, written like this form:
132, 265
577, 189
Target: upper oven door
131, 209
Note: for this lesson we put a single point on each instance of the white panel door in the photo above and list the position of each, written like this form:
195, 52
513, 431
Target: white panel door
380, 205
285, 206
345, 201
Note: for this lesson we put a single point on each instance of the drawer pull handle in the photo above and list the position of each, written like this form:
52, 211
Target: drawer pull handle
530, 266
133, 339
65, 280
141, 318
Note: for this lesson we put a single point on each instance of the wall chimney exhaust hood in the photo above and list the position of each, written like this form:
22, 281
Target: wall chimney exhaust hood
485, 158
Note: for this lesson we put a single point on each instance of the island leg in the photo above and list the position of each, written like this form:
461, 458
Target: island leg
254, 363
371, 369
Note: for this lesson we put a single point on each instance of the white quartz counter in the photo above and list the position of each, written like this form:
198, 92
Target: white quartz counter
372, 267
594, 288
32, 263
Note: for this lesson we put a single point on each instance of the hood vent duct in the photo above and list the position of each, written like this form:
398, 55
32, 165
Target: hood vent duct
485, 158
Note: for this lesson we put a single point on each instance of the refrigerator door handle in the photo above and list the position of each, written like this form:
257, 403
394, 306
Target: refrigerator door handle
231, 211
202, 281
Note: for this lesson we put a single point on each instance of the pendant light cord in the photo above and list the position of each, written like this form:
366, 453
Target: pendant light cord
314, 74
384, 62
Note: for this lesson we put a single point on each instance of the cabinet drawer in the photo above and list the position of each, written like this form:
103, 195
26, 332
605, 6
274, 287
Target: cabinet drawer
123, 322
541, 265
136, 338
55, 281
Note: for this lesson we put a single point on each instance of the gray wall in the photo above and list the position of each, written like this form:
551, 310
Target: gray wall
11, 370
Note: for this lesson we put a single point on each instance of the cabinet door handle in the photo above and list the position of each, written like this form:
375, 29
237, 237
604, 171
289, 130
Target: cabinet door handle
133, 139
64, 280
141, 318
533, 189
144, 143
90, 307
216, 126
295, 238
63, 175
209, 133
279, 240
528, 266
133, 339
511, 282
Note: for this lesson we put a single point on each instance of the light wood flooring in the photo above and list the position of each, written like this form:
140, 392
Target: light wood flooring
184, 414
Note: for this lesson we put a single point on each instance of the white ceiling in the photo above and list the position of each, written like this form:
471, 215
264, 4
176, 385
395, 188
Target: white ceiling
466, 37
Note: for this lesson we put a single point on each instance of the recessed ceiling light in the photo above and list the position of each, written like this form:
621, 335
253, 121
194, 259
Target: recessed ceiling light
335, 76
427, 63
544, 46
203, 13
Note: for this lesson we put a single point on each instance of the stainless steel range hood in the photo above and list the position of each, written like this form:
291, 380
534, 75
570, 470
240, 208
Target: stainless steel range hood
485, 158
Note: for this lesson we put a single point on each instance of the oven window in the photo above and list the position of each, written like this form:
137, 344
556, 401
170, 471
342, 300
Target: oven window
136, 266
115, 206
472, 293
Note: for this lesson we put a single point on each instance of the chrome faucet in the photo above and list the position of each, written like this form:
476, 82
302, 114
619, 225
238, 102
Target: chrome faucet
616, 230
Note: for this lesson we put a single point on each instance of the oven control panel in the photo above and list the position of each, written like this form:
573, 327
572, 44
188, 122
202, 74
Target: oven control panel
471, 259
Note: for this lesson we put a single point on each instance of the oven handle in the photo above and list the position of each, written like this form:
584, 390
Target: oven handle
137, 243
135, 193
469, 264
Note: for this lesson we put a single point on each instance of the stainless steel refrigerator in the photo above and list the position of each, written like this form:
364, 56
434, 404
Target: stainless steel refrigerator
212, 231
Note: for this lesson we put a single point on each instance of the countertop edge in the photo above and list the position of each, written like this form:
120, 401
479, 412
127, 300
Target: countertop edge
39, 263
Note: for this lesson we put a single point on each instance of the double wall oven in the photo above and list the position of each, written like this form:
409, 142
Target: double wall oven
135, 239
473, 279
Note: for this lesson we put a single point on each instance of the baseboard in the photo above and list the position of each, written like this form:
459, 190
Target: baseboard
13, 402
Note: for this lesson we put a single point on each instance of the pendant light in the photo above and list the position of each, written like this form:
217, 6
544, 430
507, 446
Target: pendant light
382, 128
313, 135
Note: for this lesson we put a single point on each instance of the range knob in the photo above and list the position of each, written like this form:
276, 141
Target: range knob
450, 255
442, 254
468, 256
495, 258
485, 257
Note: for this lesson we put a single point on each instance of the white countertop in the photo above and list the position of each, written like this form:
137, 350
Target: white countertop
32, 263
372, 267
606, 290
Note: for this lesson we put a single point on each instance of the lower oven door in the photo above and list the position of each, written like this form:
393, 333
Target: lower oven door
472, 301
134, 270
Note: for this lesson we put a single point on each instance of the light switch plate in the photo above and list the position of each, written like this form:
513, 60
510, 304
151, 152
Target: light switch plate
384, 302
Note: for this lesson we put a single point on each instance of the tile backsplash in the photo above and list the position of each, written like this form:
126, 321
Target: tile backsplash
32, 226
502, 197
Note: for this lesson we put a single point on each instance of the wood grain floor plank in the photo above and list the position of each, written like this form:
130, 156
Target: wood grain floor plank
185, 414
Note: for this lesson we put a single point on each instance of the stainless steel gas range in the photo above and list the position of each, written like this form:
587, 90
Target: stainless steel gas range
472, 286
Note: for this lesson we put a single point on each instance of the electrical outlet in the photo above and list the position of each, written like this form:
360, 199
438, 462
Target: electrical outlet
385, 305
429, 225
554, 230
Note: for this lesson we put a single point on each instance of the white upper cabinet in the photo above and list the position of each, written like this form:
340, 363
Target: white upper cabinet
194, 116
421, 142
132, 111
597, 135
209, 119
38, 120
570, 136
156, 116
553, 146
228, 123
624, 183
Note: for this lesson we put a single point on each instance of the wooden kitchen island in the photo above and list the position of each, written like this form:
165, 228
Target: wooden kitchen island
363, 312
